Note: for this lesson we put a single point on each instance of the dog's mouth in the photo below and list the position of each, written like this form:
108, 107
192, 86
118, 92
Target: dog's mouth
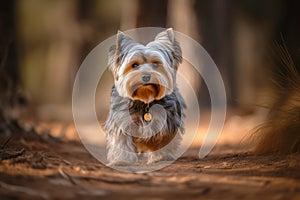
138, 86
146, 92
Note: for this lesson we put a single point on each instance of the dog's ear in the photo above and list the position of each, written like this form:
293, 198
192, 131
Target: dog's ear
167, 38
118, 50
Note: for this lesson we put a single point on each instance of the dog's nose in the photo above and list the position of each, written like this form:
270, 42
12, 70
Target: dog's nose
146, 77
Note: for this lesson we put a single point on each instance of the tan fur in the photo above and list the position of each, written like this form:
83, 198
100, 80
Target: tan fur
146, 92
154, 143
281, 132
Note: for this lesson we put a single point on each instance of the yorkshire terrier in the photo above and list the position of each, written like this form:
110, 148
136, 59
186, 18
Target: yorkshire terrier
146, 108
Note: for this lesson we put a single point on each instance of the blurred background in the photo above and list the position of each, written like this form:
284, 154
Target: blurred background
43, 43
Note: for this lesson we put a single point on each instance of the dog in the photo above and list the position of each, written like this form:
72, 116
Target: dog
146, 108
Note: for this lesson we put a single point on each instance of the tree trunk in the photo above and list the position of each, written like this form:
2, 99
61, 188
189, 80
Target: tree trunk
9, 78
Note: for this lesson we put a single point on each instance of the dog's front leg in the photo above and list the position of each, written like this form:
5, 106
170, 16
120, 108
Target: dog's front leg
121, 150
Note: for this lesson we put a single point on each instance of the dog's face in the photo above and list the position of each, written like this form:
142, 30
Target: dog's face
145, 73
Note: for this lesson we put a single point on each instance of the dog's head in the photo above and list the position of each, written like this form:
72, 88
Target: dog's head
145, 72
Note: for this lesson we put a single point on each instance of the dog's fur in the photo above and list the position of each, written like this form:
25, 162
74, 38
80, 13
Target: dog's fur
127, 132
281, 132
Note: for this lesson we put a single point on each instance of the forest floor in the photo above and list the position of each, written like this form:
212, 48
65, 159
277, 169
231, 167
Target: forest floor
36, 166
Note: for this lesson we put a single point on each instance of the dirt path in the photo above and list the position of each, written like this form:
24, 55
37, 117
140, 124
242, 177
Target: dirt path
50, 169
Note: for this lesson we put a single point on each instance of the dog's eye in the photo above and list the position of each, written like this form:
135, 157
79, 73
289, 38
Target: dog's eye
155, 65
135, 65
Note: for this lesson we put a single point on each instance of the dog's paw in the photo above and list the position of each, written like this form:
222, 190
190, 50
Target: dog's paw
119, 163
155, 157
123, 161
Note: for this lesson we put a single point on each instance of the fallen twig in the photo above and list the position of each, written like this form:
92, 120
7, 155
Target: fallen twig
67, 176
5, 154
4, 145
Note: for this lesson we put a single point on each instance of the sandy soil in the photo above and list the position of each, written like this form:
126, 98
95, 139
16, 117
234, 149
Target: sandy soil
42, 167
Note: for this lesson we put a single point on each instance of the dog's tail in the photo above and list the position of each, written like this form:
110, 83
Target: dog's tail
281, 131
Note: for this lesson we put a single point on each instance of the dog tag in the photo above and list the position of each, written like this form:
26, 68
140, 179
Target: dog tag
147, 117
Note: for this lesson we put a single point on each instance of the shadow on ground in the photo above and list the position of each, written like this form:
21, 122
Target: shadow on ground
35, 167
